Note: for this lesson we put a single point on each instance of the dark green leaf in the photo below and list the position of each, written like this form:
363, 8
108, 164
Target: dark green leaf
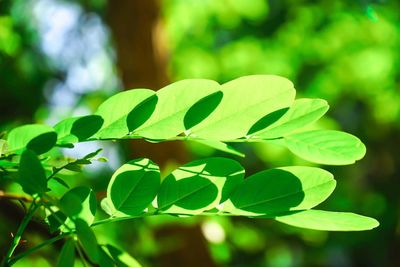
283, 189
67, 255
79, 203
32, 177
88, 240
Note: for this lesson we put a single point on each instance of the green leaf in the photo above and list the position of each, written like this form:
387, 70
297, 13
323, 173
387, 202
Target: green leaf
55, 220
76, 129
32, 176
36, 137
120, 257
67, 255
326, 147
245, 101
87, 239
302, 113
282, 189
125, 111
199, 185
134, 186
174, 102
329, 220
79, 203
221, 146
61, 182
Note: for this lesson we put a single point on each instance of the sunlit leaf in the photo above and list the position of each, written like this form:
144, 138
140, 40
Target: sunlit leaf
245, 101
329, 220
134, 186
36, 137
174, 102
326, 147
67, 255
125, 111
199, 185
73, 130
282, 189
32, 177
303, 112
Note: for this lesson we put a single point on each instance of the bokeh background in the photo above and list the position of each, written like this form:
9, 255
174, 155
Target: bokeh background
62, 58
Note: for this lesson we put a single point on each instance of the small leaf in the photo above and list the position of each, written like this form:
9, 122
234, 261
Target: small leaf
93, 154
134, 186
199, 185
67, 255
36, 137
107, 206
79, 203
221, 146
88, 240
32, 177
174, 101
329, 220
76, 129
326, 147
61, 182
302, 113
245, 101
116, 110
282, 189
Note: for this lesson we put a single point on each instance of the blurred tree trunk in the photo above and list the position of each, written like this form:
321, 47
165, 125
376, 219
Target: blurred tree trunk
141, 59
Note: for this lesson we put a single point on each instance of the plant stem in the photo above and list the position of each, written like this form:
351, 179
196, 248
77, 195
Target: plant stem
35, 248
20, 231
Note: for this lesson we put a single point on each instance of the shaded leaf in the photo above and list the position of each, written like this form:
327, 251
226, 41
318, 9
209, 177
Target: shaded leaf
329, 220
326, 147
79, 203
245, 101
56, 220
88, 240
67, 255
282, 189
76, 129
32, 176
199, 185
120, 257
134, 186
303, 112
36, 137
174, 101
116, 109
